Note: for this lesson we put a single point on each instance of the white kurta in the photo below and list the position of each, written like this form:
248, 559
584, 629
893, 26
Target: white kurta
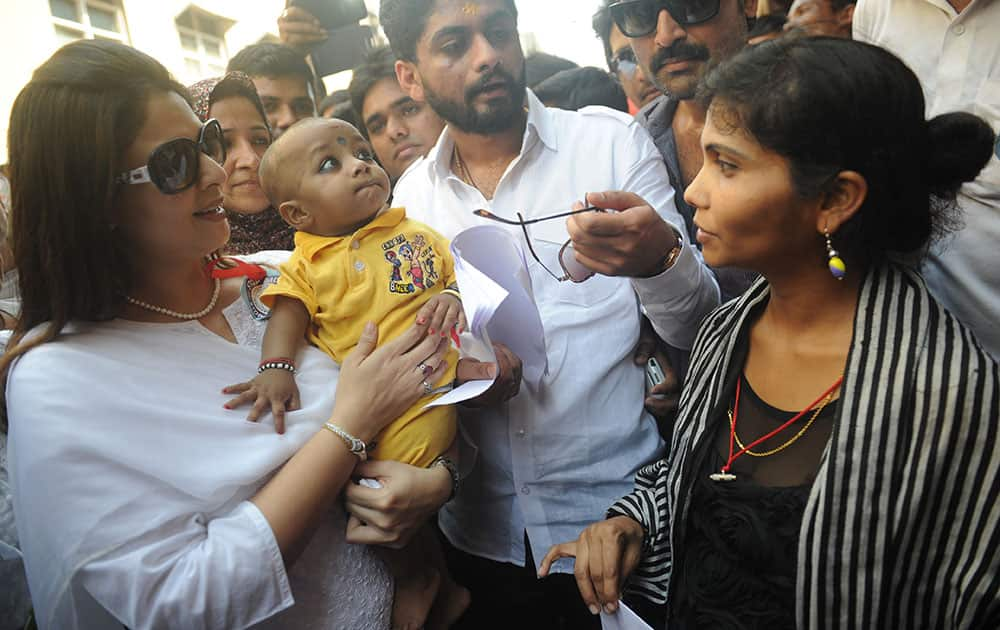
131, 486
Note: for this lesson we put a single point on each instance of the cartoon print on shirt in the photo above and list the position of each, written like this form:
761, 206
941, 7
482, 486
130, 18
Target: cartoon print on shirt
416, 258
397, 276
416, 272
426, 256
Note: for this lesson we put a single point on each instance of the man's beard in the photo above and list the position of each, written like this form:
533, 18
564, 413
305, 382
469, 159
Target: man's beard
499, 115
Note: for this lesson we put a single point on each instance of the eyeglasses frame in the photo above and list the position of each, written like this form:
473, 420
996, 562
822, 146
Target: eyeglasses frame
524, 223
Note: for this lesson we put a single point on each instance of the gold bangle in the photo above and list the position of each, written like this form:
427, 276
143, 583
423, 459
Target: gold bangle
452, 292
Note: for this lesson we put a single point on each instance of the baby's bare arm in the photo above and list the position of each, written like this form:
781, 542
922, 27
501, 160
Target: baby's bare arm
275, 387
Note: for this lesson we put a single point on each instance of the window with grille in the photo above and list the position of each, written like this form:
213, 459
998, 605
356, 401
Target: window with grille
87, 19
202, 38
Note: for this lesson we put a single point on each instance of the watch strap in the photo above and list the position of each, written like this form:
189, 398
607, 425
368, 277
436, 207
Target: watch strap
452, 469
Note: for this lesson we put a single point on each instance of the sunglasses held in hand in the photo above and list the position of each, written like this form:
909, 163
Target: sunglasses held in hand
638, 18
572, 270
174, 166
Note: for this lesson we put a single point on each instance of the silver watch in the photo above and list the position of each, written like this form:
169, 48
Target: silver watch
452, 469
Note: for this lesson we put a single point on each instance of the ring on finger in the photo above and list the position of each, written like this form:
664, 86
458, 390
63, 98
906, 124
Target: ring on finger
427, 388
424, 368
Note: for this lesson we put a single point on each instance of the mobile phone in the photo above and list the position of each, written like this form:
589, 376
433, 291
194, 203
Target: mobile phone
654, 374
334, 14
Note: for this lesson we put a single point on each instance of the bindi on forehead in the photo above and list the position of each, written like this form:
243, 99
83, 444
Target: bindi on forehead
341, 140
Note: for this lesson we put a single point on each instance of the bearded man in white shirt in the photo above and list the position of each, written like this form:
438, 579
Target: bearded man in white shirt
953, 46
559, 453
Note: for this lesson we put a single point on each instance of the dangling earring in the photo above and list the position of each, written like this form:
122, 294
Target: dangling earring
835, 262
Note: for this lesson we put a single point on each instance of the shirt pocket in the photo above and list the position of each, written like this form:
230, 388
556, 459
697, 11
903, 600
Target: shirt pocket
591, 292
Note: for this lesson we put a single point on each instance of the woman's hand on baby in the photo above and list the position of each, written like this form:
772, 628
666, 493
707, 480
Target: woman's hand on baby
606, 554
379, 382
392, 514
443, 314
274, 389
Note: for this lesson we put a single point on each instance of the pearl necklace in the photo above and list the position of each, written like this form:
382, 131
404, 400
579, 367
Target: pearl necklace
184, 316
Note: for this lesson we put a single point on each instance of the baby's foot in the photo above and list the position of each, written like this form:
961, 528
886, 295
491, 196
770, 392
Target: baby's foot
451, 603
414, 597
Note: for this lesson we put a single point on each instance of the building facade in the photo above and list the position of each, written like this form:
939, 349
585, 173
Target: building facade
193, 39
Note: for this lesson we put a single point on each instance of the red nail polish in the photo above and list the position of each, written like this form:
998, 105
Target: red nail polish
430, 331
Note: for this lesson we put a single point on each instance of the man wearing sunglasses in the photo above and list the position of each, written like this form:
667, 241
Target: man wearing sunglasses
622, 63
558, 452
675, 42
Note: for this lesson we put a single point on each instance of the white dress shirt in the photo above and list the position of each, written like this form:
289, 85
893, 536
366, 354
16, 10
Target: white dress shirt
957, 59
131, 486
554, 458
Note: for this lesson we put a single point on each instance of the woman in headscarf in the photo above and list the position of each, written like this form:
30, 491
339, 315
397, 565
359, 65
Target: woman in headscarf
232, 100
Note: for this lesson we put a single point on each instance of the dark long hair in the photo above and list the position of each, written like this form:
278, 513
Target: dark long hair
69, 130
828, 105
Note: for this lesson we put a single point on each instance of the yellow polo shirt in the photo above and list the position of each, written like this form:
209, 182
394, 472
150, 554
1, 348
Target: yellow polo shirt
384, 272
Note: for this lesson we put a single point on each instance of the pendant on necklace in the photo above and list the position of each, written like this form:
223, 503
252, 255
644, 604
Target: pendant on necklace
722, 476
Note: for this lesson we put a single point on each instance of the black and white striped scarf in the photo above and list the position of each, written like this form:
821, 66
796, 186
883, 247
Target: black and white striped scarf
902, 526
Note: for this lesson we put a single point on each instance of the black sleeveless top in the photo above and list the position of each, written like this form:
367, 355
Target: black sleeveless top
737, 569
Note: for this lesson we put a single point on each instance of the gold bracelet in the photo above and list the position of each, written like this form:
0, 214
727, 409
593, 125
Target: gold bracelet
452, 292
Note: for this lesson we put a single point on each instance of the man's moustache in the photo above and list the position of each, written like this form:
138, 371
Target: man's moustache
493, 77
680, 51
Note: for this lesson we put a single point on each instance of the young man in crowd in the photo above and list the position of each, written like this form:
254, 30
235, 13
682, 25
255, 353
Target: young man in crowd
622, 63
675, 55
400, 129
821, 17
283, 80
570, 442
954, 49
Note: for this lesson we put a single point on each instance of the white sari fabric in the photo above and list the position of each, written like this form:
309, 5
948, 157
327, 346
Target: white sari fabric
131, 486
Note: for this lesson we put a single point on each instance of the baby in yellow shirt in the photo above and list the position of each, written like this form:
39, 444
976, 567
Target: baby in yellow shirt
355, 261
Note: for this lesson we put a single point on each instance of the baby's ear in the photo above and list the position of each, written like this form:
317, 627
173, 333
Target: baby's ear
294, 215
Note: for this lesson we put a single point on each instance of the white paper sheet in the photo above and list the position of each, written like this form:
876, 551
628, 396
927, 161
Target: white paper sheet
490, 253
476, 348
481, 297
623, 619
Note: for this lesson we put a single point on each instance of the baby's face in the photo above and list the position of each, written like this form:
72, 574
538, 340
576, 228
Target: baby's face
341, 186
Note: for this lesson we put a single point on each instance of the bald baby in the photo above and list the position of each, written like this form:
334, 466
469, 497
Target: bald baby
322, 177
282, 160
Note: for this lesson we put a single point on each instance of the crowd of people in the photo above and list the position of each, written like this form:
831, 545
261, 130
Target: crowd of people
759, 242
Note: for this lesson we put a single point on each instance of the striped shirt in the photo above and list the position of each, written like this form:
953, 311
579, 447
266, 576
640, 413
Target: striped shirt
902, 526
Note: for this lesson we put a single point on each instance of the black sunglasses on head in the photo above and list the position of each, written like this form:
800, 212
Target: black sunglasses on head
638, 18
174, 165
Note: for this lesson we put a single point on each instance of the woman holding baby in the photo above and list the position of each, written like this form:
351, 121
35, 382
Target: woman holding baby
140, 500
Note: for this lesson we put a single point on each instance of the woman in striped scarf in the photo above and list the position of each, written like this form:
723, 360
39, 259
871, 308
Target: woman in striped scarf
835, 462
